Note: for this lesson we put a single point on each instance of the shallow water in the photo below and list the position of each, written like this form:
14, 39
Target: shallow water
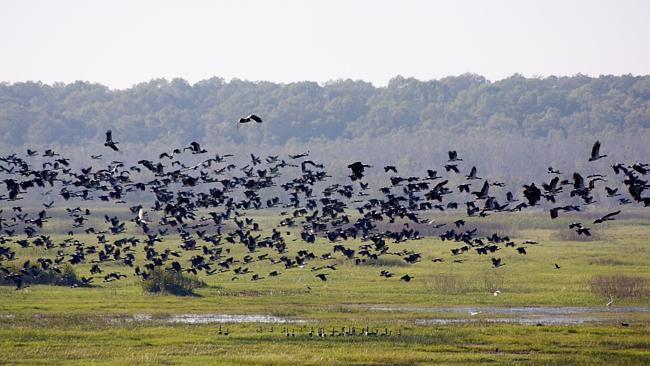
542, 320
228, 318
527, 310
550, 315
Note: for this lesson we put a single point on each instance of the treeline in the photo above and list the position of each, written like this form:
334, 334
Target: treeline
161, 112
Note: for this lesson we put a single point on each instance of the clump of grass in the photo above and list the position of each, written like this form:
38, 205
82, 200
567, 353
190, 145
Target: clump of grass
66, 276
572, 235
171, 282
446, 284
385, 262
493, 281
608, 262
618, 286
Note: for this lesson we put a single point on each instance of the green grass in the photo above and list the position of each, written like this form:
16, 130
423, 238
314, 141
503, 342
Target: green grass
60, 325
47, 342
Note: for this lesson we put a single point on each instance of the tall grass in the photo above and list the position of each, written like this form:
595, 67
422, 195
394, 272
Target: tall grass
619, 286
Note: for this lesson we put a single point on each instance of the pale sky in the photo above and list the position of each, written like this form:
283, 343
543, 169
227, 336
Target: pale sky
120, 43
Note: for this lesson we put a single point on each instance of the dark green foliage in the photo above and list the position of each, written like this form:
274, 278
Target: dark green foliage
159, 110
66, 277
171, 282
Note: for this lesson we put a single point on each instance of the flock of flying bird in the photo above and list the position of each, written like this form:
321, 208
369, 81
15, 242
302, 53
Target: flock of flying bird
205, 205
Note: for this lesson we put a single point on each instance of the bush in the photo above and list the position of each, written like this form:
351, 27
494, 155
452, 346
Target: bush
66, 277
618, 286
171, 282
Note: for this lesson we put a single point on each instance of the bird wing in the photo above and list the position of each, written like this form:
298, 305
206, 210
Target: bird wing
486, 187
109, 136
595, 151
578, 181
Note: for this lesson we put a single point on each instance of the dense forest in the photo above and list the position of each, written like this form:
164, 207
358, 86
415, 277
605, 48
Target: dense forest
36, 114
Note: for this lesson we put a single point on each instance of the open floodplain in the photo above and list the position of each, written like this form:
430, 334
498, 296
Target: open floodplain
447, 314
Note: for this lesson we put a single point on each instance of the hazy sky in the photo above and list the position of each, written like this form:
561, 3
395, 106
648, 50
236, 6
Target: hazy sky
119, 43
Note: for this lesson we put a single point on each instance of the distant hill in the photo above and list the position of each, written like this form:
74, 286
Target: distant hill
35, 114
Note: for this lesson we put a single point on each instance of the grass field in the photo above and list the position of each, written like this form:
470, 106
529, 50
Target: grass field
61, 325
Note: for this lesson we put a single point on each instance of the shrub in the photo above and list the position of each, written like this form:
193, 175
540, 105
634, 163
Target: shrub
618, 286
171, 282
66, 277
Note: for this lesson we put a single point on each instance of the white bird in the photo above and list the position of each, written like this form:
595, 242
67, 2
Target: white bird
141, 214
611, 301
474, 313
497, 292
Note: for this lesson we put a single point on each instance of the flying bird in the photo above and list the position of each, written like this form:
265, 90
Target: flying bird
251, 117
608, 217
109, 141
595, 152
453, 156
357, 170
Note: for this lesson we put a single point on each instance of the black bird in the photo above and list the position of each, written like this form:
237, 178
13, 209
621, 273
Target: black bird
109, 141
483, 193
250, 118
453, 156
432, 174
581, 229
595, 152
472, 174
298, 156
322, 276
612, 192
608, 217
450, 167
496, 262
388, 168
357, 170
195, 148
557, 266
532, 194
406, 278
